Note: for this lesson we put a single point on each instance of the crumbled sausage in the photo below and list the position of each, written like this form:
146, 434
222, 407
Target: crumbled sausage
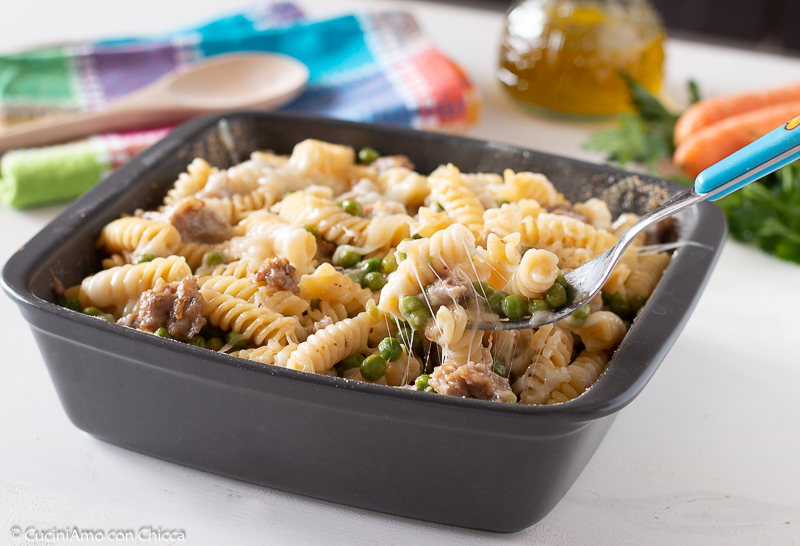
277, 272
176, 306
471, 380
196, 222
444, 291
566, 210
391, 161
325, 251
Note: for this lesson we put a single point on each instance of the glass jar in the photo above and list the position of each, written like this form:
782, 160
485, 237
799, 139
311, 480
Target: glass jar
565, 56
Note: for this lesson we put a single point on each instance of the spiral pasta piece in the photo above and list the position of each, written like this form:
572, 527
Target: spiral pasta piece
616, 281
527, 185
242, 288
236, 207
583, 372
282, 302
597, 210
645, 276
120, 287
322, 350
272, 237
503, 258
140, 236
535, 275
330, 221
328, 284
602, 331
251, 321
190, 182
404, 185
455, 196
194, 252
450, 330
316, 158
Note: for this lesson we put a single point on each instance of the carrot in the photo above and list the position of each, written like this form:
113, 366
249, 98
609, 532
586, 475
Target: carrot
719, 140
709, 111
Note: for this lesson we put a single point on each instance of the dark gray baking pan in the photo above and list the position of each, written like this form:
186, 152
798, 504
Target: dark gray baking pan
469, 463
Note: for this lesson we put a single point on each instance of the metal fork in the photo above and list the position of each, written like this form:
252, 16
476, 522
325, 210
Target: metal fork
767, 154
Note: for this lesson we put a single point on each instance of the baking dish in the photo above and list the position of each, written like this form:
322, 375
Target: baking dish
449, 460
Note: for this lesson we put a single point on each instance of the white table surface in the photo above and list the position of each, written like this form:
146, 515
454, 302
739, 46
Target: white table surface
709, 453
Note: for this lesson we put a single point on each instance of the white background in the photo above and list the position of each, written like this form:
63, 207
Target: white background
709, 453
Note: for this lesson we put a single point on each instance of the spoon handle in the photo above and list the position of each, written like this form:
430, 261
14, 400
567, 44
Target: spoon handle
767, 154
64, 128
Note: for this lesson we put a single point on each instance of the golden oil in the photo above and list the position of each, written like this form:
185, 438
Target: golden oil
566, 56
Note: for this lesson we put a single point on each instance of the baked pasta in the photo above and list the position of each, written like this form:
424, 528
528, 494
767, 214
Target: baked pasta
354, 265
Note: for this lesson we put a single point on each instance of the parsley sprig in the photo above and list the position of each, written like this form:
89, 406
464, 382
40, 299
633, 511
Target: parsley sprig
766, 213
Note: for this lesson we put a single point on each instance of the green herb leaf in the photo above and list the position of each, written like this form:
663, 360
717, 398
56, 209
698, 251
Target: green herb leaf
648, 107
694, 92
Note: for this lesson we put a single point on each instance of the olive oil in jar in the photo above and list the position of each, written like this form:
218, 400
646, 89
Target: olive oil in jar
565, 56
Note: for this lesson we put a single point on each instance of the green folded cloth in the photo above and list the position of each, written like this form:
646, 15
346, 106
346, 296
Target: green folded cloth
36, 176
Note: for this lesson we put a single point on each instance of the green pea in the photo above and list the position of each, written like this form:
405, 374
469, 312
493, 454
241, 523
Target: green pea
215, 343
417, 319
312, 230
482, 288
499, 367
146, 257
348, 363
537, 305
582, 313
400, 256
619, 305
390, 349
315, 303
71, 303
515, 307
373, 264
348, 259
209, 330
163, 332
606, 297
374, 280
560, 279
213, 258
237, 340
389, 264
368, 155
351, 206
495, 302
373, 368
356, 276
636, 302
407, 239
421, 382
95, 312
198, 341
410, 304
429, 389
556, 296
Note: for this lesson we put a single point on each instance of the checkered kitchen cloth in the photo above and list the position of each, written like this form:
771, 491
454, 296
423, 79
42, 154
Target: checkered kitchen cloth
374, 67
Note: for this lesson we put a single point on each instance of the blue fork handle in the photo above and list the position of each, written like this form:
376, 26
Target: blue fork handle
767, 154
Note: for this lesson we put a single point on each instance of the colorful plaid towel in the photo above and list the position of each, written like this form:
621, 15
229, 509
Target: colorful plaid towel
374, 67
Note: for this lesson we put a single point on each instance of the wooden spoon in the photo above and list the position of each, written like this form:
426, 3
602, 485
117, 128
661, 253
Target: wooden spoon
226, 82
